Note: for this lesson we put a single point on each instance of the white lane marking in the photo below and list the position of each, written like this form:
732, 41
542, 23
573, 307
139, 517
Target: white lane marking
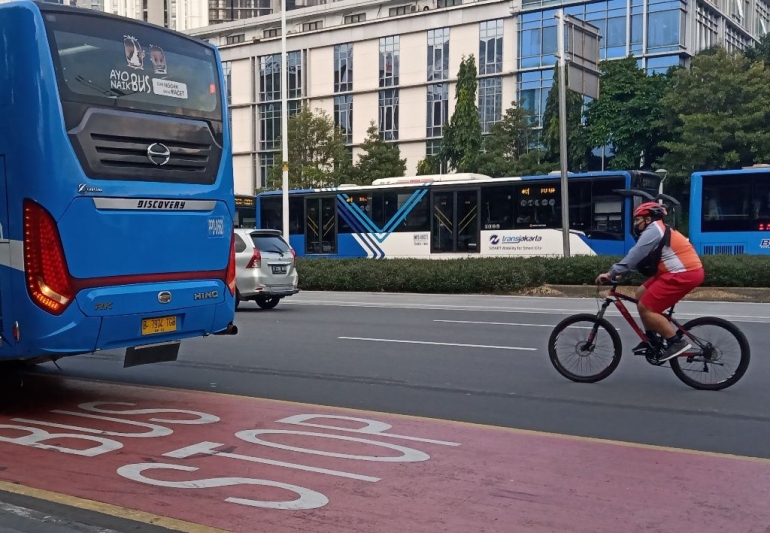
526, 310
29, 514
506, 324
440, 343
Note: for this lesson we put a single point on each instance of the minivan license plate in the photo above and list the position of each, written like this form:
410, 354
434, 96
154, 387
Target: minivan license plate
279, 269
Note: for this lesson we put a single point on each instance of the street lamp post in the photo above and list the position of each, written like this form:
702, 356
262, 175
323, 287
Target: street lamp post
284, 124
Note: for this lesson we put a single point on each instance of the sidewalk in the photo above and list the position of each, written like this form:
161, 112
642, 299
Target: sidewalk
21, 514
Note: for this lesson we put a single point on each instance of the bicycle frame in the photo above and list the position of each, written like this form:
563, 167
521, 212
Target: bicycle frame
618, 298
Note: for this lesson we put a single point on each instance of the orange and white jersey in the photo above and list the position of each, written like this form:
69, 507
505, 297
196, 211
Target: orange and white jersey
680, 256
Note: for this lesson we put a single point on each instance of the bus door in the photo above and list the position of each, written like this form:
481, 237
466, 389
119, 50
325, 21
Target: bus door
5, 260
455, 221
321, 225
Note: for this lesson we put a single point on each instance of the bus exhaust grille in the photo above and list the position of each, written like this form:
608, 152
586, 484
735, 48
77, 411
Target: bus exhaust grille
128, 146
724, 249
117, 151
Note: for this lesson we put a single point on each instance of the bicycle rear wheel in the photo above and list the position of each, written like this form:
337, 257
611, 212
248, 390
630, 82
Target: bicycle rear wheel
577, 356
723, 360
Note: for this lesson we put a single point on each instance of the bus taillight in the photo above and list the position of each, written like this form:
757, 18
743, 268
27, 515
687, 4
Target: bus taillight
231, 267
48, 281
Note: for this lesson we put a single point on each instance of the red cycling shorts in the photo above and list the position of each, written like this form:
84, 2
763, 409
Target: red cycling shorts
664, 290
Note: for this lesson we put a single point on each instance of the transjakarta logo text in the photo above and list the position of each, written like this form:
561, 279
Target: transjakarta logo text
513, 239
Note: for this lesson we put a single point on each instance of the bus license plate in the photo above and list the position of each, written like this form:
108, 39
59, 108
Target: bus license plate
280, 269
164, 324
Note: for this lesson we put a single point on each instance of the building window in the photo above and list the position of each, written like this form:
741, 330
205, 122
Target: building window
389, 61
227, 70
266, 163
491, 47
352, 19
312, 26
438, 54
448, 3
763, 18
396, 11
438, 109
533, 89
235, 39
537, 39
706, 28
270, 76
269, 126
272, 32
490, 102
343, 68
433, 147
343, 116
389, 114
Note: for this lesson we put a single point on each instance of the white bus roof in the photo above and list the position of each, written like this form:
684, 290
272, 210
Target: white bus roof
431, 178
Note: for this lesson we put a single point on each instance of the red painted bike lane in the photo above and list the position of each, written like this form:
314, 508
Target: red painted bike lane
242, 464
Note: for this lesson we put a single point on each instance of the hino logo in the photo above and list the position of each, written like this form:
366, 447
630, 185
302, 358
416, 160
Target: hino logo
164, 297
158, 153
206, 295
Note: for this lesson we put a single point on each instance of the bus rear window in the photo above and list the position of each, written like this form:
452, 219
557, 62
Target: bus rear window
736, 202
135, 66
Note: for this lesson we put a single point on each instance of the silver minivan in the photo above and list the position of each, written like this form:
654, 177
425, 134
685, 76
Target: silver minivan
265, 267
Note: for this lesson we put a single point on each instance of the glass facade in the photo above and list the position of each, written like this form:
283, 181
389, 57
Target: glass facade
621, 23
490, 102
269, 108
343, 83
388, 99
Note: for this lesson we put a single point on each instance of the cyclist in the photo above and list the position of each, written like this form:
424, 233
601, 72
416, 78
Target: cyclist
678, 271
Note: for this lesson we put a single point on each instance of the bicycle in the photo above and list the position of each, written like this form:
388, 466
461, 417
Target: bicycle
704, 355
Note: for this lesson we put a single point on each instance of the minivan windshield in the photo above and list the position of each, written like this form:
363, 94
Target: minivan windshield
270, 243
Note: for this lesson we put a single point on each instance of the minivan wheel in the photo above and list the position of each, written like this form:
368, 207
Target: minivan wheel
268, 303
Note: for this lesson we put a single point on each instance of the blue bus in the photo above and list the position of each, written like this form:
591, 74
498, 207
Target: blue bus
462, 215
730, 211
116, 187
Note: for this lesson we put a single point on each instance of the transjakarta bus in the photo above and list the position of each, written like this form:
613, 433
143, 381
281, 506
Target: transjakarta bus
116, 187
730, 211
462, 215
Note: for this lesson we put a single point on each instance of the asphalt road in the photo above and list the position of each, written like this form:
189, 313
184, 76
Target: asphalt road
479, 359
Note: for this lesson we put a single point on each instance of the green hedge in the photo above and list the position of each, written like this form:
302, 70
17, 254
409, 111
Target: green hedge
498, 275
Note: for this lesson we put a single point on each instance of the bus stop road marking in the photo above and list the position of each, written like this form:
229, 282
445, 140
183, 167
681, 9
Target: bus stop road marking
197, 461
492, 347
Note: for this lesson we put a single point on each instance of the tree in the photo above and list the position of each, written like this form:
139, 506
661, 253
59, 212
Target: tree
461, 144
717, 115
316, 148
430, 165
508, 149
577, 141
760, 51
626, 114
379, 160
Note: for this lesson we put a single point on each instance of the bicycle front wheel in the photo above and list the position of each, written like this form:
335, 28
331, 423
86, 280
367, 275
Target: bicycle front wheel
720, 362
584, 348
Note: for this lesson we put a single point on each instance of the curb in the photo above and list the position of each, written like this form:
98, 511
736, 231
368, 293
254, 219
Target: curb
720, 294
